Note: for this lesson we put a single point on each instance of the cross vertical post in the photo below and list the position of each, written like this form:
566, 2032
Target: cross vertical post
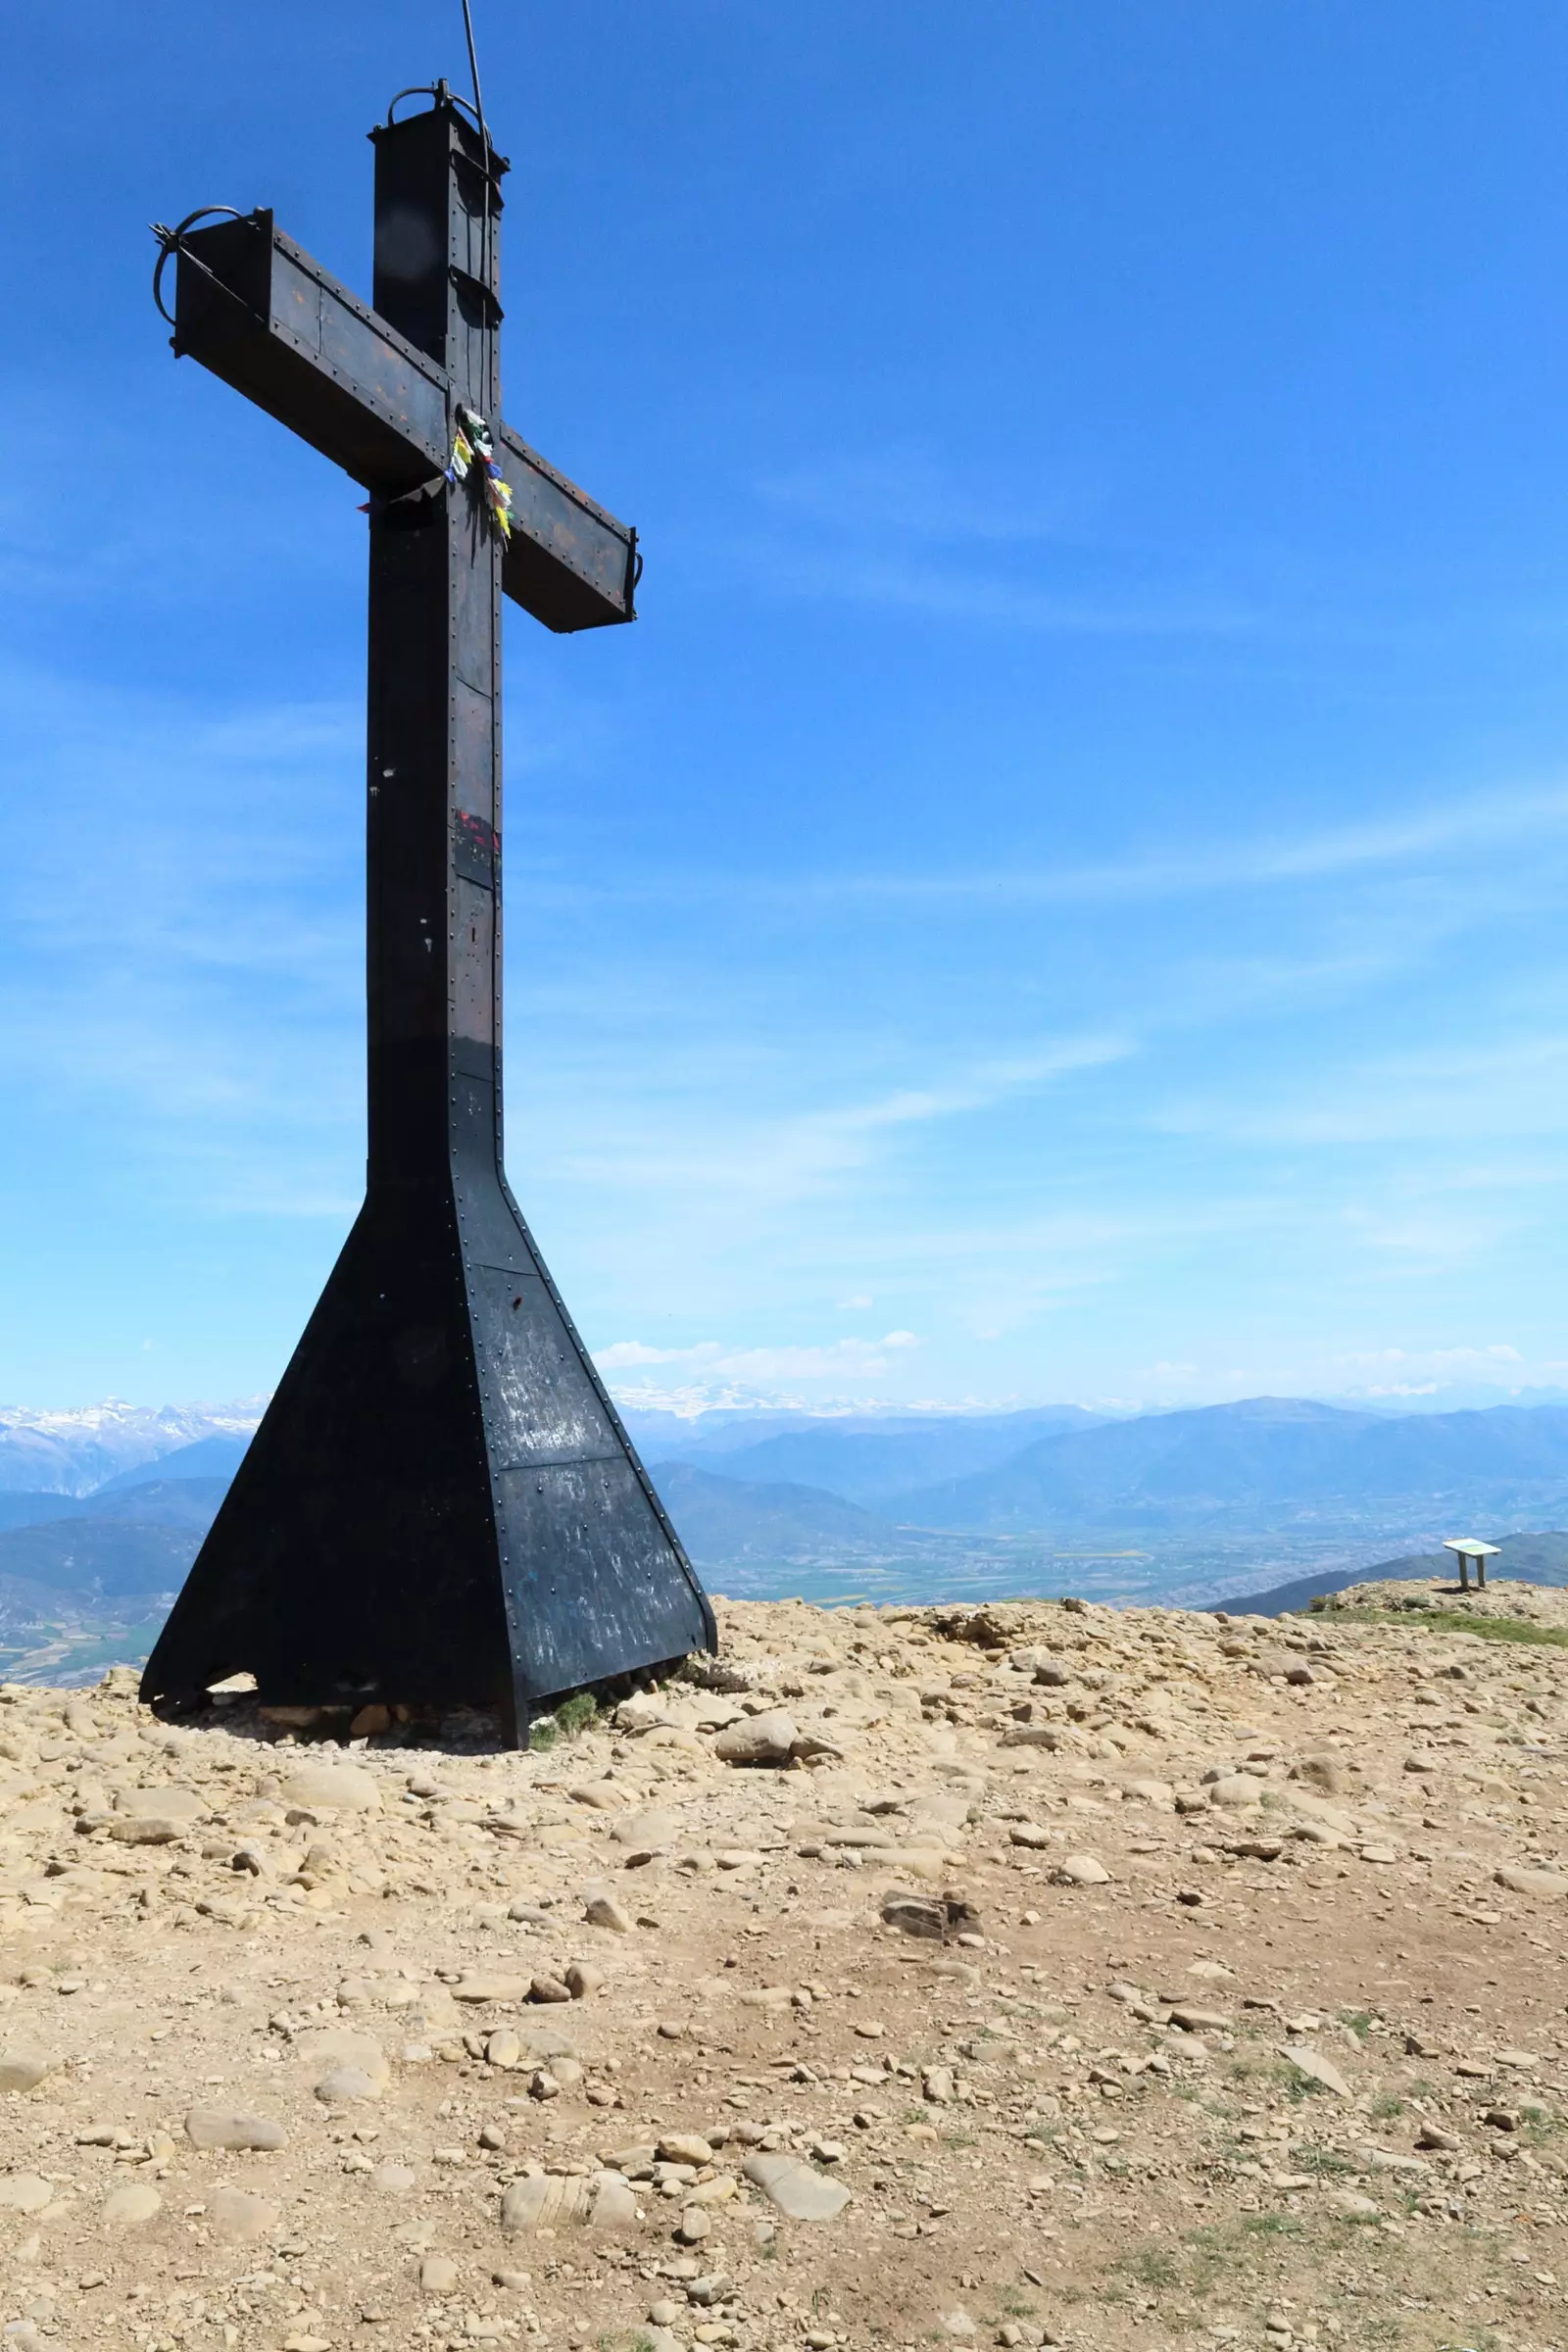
441, 1504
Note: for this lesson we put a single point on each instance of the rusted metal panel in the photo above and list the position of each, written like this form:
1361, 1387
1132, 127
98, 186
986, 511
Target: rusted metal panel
570, 564
253, 307
257, 310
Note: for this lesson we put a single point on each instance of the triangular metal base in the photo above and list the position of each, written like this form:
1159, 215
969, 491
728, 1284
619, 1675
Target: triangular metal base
441, 1505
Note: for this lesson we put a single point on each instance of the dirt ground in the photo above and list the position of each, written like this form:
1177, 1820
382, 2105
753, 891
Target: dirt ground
1100, 1979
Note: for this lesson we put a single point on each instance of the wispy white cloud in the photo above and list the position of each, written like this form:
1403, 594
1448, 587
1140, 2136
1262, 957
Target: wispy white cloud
737, 1154
714, 1360
1457, 1101
947, 592
1449, 829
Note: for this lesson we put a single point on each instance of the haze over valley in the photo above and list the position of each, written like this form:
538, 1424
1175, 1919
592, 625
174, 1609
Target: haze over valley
103, 1511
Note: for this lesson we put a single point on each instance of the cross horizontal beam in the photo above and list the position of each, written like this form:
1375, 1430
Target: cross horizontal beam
255, 308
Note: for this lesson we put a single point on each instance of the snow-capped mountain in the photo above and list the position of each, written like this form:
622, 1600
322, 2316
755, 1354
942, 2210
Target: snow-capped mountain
73, 1452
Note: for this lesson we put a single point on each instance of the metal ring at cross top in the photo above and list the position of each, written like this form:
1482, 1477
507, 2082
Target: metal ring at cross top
440, 92
168, 243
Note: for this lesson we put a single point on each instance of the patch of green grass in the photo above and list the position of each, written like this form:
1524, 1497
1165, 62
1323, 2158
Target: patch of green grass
1209, 2260
1386, 2106
1455, 1621
1012, 2305
1359, 2020
565, 1722
1155, 2266
1214, 2254
1327, 2163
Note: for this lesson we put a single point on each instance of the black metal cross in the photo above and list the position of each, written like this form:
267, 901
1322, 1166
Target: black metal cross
441, 1504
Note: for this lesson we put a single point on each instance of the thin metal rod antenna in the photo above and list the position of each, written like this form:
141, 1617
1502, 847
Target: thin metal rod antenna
473, 68
484, 141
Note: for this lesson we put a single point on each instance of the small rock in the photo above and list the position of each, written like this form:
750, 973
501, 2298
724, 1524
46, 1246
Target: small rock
915, 1914
336, 1788
393, 2180
491, 1988
1082, 1870
1235, 1789
238, 2217
541, 2037
1317, 2068
180, 1806
801, 2193
136, 2202
583, 1980
548, 1989
1353, 2205
338, 2049
647, 1834
438, 2274
602, 1910
1551, 1884
24, 2192
503, 2048
765, 1739
341, 2085
684, 2147
149, 1828
542, 2201
24, 2070
232, 2128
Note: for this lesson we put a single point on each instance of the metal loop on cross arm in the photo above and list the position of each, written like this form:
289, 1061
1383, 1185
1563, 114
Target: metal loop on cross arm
168, 242
428, 89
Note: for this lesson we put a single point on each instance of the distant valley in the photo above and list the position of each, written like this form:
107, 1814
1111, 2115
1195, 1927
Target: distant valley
1272, 1498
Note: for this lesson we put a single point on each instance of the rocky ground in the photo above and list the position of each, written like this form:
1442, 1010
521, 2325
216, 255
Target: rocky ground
1503, 1599
1045, 1975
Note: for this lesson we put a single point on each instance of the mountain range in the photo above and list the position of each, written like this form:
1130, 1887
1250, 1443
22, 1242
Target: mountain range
1276, 1497
1269, 1453
74, 1451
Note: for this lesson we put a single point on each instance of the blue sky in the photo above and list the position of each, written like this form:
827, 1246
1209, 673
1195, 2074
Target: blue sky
1058, 896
